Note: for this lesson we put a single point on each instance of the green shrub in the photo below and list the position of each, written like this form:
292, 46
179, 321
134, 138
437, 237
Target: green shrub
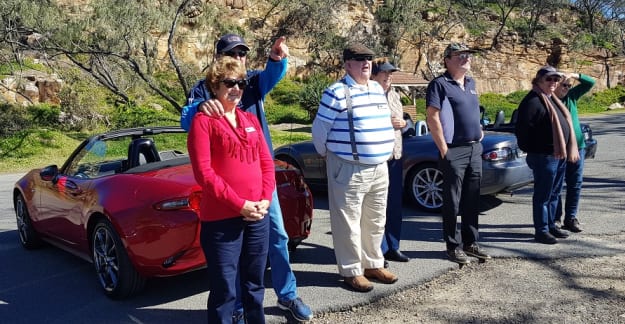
12, 119
45, 115
286, 92
311, 92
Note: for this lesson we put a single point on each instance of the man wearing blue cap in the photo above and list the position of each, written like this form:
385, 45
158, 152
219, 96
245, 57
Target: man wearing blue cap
260, 82
382, 72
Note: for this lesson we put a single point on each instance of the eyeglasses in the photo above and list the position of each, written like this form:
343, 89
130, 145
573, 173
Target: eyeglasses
230, 83
464, 56
566, 85
238, 53
552, 79
362, 58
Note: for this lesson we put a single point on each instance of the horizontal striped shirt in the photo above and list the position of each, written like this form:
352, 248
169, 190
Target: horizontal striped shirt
373, 129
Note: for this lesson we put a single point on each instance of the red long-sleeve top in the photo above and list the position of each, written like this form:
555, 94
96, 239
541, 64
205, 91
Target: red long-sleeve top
230, 164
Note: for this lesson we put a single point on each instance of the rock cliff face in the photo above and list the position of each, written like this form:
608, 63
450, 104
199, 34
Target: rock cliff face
506, 68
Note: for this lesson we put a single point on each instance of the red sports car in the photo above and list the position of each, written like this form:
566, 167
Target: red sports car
128, 207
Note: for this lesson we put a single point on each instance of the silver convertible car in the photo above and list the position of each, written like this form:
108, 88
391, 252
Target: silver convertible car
503, 167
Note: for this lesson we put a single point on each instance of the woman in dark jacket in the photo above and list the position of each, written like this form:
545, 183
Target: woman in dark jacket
544, 130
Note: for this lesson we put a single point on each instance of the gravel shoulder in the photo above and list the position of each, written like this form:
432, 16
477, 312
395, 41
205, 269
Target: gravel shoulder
507, 290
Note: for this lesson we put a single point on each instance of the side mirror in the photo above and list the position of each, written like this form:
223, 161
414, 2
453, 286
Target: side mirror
49, 173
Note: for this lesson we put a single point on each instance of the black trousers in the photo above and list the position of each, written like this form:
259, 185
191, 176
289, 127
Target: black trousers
462, 173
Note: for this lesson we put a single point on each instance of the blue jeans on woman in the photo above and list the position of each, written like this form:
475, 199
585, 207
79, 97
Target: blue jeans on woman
235, 249
573, 177
548, 178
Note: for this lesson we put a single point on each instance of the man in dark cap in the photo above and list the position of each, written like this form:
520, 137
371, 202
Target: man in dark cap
453, 117
382, 72
353, 131
259, 84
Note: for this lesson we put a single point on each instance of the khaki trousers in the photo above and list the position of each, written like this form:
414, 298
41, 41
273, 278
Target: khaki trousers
357, 202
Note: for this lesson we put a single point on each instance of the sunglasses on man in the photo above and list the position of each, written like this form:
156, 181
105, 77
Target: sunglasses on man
362, 58
552, 79
464, 56
230, 83
235, 53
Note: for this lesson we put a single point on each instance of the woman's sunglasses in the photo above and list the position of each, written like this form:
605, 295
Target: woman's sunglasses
230, 83
552, 79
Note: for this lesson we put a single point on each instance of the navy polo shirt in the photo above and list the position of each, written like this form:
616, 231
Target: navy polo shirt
459, 109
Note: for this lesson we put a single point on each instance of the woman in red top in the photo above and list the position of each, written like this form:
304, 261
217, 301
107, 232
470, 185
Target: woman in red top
233, 165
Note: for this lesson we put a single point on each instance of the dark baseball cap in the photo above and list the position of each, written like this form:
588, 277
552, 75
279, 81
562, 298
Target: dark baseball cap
384, 66
230, 41
548, 70
457, 47
356, 50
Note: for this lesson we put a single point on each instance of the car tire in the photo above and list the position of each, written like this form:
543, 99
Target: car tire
423, 187
28, 236
115, 272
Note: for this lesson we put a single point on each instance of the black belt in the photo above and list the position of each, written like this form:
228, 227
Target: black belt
462, 144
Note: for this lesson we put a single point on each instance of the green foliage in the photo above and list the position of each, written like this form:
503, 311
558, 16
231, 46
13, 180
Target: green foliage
9, 67
140, 116
286, 92
45, 115
28, 149
599, 101
278, 114
493, 103
311, 92
279, 137
12, 119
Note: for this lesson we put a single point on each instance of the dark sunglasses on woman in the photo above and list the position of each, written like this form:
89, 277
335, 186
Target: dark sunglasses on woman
229, 83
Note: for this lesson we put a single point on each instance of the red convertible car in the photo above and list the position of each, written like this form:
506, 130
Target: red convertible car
128, 207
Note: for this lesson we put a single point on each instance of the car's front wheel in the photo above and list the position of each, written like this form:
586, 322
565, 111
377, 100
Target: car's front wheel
115, 272
424, 187
28, 236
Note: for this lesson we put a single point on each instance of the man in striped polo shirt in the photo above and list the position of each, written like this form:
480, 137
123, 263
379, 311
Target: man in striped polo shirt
353, 131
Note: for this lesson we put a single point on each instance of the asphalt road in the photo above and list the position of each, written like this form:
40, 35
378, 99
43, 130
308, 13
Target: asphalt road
52, 286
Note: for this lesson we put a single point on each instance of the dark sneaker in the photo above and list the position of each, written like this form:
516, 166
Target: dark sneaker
558, 233
298, 309
572, 225
545, 238
458, 256
476, 251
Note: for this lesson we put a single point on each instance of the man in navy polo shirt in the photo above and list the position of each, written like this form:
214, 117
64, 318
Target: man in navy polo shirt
453, 117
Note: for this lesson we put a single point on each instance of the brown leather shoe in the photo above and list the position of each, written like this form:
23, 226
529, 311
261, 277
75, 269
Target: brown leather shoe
359, 283
382, 275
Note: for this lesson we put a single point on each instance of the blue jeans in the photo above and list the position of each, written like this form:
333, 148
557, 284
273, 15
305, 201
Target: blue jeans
235, 249
548, 178
392, 229
573, 177
282, 277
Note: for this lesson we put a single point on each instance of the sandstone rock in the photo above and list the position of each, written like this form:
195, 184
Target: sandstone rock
615, 106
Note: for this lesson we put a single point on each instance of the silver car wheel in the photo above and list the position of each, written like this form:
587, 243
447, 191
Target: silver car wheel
426, 189
105, 258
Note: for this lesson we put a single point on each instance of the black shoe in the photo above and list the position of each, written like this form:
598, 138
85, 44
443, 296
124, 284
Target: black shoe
476, 251
386, 264
572, 225
558, 233
545, 238
395, 255
458, 256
